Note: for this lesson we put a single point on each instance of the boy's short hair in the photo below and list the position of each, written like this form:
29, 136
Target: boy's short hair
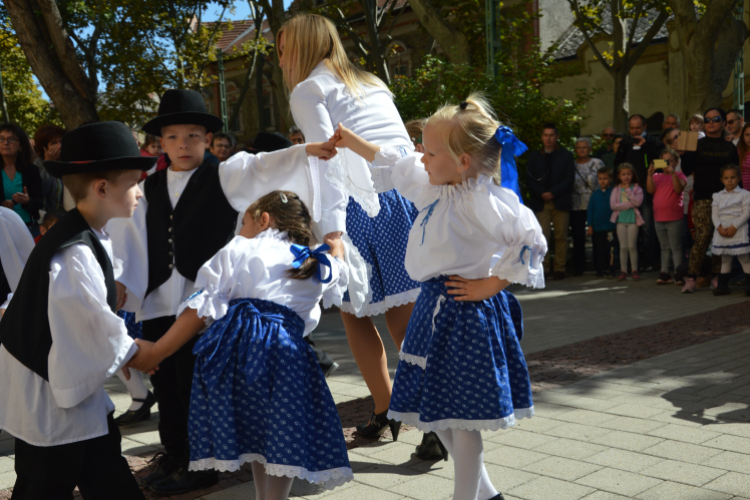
731, 166
78, 184
605, 171
224, 135
51, 217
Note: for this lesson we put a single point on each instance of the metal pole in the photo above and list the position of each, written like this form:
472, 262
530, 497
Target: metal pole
739, 68
222, 90
492, 17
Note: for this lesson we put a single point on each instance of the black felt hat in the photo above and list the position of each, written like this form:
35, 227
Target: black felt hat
98, 147
270, 141
182, 107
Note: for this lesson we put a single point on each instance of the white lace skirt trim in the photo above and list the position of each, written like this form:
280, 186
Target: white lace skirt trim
412, 359
329, 479
377, 308
466, 425
350, 173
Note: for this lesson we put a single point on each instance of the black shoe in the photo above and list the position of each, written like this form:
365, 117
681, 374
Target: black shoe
723, 286
163, 465
330, 369
377, 426
431, 448
499, 496
183, 481
139, 415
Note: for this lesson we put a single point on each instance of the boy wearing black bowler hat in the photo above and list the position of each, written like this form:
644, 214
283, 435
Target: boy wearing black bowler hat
61, 338
189, 213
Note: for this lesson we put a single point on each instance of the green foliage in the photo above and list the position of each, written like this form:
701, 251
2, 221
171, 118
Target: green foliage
26, 106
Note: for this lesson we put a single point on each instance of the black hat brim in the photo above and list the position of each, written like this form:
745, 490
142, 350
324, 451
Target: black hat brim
211, 122
60, 168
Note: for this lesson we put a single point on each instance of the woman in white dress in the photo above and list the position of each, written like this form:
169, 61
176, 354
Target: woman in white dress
326, 88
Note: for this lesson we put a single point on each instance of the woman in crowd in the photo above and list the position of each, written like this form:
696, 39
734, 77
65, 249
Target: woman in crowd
743, 148
583, 186
20, 182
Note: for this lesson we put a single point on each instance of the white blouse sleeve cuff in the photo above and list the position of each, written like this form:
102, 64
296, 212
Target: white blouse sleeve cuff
334, 294
360, 293
208, 304
522, 265
7, 301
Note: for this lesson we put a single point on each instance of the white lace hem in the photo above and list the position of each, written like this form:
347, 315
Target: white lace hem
377, 308
412, 359
343, 173
466, 425
731, 251
521, 267
329, 479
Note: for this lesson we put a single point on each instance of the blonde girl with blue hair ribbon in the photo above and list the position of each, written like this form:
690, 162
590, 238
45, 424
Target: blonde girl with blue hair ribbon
461, 369
258, 393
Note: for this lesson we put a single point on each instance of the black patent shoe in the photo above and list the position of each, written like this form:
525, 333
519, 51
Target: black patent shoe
499, 496
139, 415
377, 426
163, 465
183, 481
431, 448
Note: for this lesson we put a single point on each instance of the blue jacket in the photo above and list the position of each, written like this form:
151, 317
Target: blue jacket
600, 211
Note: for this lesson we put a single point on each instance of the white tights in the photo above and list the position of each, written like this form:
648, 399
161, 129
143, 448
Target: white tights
726, 263
471, 479
268, 487
136, 387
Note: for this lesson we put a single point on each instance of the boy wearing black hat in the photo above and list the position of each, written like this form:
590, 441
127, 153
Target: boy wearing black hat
61, 338
189, 212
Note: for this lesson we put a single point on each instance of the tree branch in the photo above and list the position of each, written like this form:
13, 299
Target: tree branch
632, 58
582, 27
636, 18
716, 12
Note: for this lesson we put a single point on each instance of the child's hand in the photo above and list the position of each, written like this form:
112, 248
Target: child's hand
122, 295
337, 247
731, 231
344, 137
146, 359
475, 290
590, 231
651, 169
323, 150
721, 231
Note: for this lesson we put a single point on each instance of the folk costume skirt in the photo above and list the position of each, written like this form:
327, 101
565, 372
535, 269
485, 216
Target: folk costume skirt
461, 364
259, 396
135, 328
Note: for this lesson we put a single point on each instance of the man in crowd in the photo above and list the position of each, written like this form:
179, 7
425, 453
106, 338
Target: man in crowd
549, 176
296, 136
608, 136
222, 145
735, 121
671, 121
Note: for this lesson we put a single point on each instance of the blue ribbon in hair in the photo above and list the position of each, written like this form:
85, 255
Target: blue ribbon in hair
512, 147
302, 253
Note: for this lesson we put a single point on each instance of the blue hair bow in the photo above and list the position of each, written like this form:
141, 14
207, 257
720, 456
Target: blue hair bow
302, 253
512, 147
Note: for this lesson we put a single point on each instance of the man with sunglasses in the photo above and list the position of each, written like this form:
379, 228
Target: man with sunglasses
735, 121
608, 136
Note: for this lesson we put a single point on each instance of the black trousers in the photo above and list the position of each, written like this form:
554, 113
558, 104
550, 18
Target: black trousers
96, 466
324, 360
172, 383
604, 243
578, 231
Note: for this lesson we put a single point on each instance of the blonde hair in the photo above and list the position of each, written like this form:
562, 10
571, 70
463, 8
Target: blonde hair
311, 38
78, 184
469, 128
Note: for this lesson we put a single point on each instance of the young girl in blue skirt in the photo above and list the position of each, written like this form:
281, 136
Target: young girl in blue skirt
258, 393
461, 368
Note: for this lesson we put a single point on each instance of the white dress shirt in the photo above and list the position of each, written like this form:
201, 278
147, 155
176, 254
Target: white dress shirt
475, 229
16, 245
244, 178
90, 343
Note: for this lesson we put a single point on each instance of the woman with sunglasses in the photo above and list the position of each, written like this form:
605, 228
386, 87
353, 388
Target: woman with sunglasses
20, 181
713, 152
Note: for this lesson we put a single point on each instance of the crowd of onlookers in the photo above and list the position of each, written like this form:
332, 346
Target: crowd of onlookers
646, 205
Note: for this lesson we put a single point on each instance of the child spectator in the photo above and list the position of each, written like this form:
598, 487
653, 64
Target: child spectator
49, 220
625, 199
730, 211
667, 185
600, 227
151, 146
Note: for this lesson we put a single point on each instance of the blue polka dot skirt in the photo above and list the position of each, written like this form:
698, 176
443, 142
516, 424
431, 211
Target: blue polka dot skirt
381, 240
259, 395
461, 364
135, 329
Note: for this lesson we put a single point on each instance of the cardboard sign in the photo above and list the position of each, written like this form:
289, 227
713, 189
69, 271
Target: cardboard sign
687, 141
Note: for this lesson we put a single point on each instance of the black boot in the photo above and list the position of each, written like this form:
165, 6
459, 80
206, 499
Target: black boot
431, 448
723, 287
499, 496
163, 465
377, 426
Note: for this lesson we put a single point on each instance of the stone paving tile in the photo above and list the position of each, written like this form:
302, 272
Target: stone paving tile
585, 417
676, 418
364, 492
551, 410
562, 468
682, 451
577, 432
731, 482
681, 433
737, 462
626, 441
628, 410
523, 439
624, 460
674, 491
731, 443
7, 479
6, 464
537, 424
681, 472
427, 487
583, 403
513, 457
735, 429
618, 481
629, 424
385, 476
604, 495
505, 478
568, 448
545, 488
396, 453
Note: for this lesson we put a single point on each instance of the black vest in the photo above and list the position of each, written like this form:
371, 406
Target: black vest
190, 234
24, 330
4, 285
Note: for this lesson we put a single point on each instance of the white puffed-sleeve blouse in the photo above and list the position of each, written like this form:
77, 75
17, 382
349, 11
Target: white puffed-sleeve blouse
474, 229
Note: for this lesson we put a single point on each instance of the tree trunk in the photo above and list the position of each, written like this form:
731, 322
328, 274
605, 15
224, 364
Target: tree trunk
453, 42
53, 58
621, 109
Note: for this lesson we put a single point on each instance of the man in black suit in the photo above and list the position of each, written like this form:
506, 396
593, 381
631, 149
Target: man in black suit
549, 176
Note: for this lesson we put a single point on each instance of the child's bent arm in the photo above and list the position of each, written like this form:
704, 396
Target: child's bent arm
475, 290
186, 327
345, 138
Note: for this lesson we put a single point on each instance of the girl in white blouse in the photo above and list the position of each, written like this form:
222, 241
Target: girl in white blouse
730, 213
258, 394
461, 369
326, 88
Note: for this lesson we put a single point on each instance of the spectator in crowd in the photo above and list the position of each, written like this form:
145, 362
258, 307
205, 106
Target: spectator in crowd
735, 121
671, 121
625, 199
639, 150
151, 146
608, 136
414, 129
20, 182
666, 186
705, 164
743, 148
601, 228
696, 124
668, 137
584, 184
296, 135
50, 219
609, 158
222, 145
47, 147
549, 176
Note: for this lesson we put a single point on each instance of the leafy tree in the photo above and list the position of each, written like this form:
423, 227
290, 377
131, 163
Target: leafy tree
450, 34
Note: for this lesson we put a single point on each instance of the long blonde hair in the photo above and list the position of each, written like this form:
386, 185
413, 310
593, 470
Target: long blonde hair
312, 38
469, 128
